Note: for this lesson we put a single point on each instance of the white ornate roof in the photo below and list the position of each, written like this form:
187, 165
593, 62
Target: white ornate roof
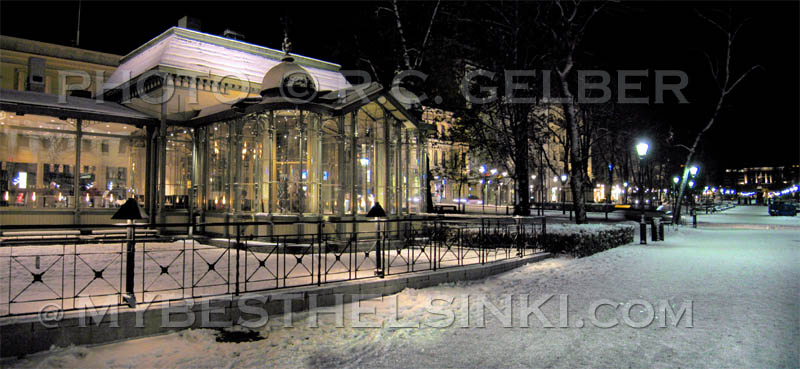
191, 51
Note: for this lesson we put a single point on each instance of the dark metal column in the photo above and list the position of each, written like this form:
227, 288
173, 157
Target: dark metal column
387, 160
236, 171
162, 163
353, 162
150, 171
76, 182
340, 137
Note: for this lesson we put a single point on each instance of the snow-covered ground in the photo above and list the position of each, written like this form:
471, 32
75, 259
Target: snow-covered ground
754, 216
743, 284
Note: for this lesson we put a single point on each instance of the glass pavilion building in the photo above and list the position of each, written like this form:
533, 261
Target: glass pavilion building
192, 123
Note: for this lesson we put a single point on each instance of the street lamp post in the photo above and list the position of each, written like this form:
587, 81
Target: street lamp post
675, 180
694, 211
483, 188
641, 150
497, 190
693, 170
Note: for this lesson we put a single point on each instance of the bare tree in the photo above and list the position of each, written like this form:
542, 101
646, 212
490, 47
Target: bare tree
726, 81
566, 24
500, 127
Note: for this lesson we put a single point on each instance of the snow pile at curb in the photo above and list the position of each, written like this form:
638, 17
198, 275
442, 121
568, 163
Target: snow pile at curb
586, 239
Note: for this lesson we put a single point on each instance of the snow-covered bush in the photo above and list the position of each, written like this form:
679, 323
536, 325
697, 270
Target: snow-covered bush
586, 239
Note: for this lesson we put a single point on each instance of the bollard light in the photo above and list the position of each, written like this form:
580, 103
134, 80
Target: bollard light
377, 212
130, 211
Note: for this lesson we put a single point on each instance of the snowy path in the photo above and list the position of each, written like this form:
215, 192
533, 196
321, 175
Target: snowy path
743, 283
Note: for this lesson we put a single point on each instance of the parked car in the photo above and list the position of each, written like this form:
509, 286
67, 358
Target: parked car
474, 200
782, 208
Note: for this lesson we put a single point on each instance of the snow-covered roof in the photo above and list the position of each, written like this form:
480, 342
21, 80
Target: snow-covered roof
210, 55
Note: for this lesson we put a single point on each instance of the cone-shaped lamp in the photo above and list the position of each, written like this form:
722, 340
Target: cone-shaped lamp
376, 211
130, 210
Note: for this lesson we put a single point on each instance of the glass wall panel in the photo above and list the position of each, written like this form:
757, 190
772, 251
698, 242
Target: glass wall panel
332, 152
291, 162
179, 167
218, 166
415, 165
37, 161
111, 156
350, 162
252, 164
366, 162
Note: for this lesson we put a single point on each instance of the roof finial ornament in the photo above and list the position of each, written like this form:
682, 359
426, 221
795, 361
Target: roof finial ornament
287, 45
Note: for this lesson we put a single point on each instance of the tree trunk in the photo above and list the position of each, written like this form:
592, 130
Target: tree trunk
523, 205
576, 172
685, 177
428, 196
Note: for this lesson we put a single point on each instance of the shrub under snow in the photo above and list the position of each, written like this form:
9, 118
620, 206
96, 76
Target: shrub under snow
586, 239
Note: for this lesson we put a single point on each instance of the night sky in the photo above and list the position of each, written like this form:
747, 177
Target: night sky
760, 125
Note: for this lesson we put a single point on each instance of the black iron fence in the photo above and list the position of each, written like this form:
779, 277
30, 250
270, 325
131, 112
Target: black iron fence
78, 266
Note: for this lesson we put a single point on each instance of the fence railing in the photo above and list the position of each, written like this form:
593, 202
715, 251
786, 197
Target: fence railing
78, 266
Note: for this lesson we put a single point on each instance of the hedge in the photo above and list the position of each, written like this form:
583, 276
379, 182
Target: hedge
586, 239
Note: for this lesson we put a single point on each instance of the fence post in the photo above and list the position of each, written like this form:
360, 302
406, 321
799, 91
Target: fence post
435, 242
319, 252
238, 248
